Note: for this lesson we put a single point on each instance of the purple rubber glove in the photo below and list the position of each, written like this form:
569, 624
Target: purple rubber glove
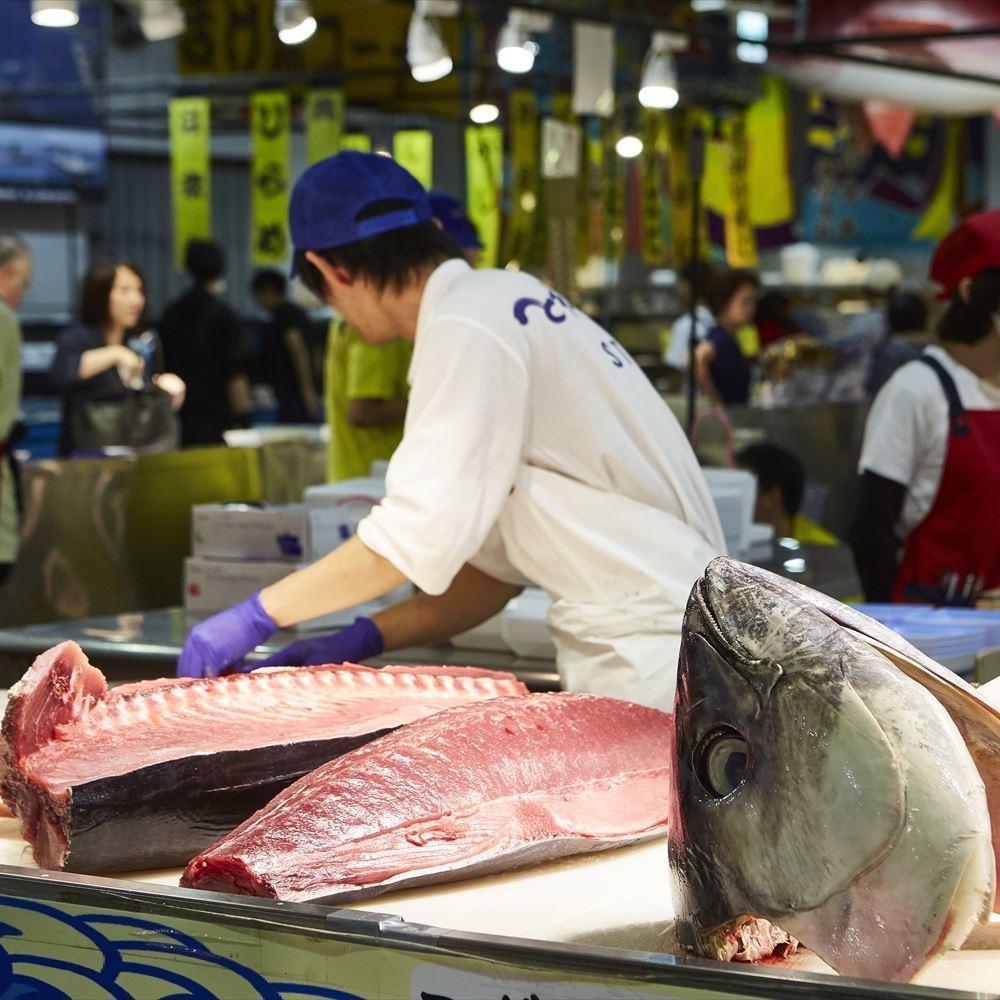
353, 644
225, 638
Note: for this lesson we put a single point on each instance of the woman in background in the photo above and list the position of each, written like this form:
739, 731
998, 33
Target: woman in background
96, 364
721, 367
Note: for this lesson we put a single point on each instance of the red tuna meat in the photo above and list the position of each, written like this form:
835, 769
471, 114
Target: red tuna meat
471, 791
147, 775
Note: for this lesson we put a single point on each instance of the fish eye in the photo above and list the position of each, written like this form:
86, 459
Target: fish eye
721, 760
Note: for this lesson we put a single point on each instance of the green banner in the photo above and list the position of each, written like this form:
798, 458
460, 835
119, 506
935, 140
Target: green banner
190, 172
654, 175
324, 121
483, 185
357, 141
271, 130
523, 230
414, 150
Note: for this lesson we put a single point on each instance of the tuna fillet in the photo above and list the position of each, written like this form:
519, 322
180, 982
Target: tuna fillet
472, 791
147, 775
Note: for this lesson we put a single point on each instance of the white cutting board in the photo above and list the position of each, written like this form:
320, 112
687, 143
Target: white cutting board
616, 899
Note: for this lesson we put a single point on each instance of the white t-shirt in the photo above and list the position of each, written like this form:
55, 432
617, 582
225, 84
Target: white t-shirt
678, 349
906, 436
536, 448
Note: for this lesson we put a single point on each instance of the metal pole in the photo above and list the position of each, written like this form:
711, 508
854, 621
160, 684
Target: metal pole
696, 168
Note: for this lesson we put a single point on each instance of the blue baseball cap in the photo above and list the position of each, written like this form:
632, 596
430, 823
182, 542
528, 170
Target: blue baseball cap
448, 211
327, 199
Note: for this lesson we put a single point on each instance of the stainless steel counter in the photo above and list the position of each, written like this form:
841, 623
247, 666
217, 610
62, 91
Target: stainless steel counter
144, 644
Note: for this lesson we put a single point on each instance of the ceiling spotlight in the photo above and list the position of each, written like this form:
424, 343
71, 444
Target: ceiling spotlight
425, 51
752, 27
483, 114
161, 19
515, 49
629, 146
55, 13
658, 87
294, 21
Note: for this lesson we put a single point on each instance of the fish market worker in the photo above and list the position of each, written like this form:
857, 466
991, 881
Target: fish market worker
927, 529
534, 450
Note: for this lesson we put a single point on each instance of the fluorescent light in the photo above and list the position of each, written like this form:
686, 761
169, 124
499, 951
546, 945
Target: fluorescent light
294, 21
161, 19
658, 87
628, 146
707, 6
425, 51
752, 27
513, 52
483, 114
55, 13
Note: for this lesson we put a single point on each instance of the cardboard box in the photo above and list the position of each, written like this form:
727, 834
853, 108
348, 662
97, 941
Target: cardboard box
289, 533
212, 585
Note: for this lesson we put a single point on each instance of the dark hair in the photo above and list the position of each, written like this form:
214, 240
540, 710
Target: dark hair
12, 247
387, 260
969, 322
775, 466
725, 285
906, 311
95, 291
205, 261
269, 277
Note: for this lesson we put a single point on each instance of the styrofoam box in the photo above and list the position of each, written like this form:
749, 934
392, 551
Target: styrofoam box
279, 532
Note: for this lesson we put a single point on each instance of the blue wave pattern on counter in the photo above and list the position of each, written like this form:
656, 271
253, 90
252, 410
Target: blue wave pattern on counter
25, 975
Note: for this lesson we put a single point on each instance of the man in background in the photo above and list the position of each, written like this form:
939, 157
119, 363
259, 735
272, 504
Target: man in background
780, 486
15, 277
284, 361
201, 343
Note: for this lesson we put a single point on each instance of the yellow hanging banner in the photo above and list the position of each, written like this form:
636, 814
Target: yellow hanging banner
741, 245
324, 120
524, 195
613, 193
679, 183
413, 149
590, 207
483, 184
357, 141
653, 178
190, 172
270, 123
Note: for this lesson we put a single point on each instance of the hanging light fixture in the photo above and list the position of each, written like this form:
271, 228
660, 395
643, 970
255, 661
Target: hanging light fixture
425, 50
658, 87
516, 50
294, 21
484, 113
55, 13
752, 26
161, 19
629, 146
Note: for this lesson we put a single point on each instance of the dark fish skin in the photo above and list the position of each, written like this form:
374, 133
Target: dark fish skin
163, 815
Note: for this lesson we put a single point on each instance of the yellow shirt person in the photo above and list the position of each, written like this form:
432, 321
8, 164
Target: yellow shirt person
366, 392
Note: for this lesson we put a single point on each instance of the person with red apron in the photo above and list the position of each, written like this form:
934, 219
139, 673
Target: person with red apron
927, 529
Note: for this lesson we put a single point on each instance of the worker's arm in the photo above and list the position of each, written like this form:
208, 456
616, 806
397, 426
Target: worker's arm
421, 620
704, 355
872, 535
295, 344
376, 412
425, 619
100, 359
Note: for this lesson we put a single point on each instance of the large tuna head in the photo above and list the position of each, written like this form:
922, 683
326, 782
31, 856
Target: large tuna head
817, 788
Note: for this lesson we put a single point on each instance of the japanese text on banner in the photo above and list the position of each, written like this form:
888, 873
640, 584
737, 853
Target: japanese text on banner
653, 178
484, 177
522, 229
324, 114
190, 172
270, 125
413, 150
613, 193
741, 245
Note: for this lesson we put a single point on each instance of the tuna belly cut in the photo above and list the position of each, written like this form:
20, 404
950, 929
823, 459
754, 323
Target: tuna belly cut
476, 790
147, 775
